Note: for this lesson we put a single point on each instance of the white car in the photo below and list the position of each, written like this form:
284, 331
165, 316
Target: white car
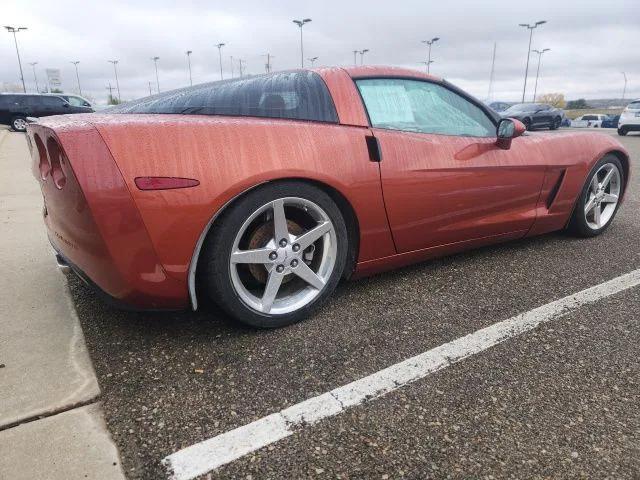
590, 120
630, 118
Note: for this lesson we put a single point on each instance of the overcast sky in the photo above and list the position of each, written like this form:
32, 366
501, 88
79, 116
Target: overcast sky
591, 42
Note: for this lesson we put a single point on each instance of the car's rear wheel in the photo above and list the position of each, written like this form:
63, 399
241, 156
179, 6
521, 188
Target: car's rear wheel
19, 124
275, 254
622, 131
555, 124
599, 199
527, 123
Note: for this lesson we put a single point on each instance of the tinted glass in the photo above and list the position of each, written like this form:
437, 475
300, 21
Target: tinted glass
416, 106
634, 106
7, 100
51, 101
524, 107
293, 95
589, 117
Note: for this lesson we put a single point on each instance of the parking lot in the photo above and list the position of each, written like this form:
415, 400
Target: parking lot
559, 400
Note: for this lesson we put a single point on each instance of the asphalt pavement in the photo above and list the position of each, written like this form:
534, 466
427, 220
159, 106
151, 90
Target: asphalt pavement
558, 401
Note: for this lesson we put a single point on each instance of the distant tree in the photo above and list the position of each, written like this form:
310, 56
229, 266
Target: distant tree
554, 99
113, 100
577, 104
56, 90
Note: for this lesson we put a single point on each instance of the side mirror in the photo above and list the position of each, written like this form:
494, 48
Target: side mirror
507, 130
66, 105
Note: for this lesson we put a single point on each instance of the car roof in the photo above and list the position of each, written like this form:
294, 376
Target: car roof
365, 71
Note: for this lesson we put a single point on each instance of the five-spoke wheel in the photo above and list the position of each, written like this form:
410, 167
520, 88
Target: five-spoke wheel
600, 197
279, 251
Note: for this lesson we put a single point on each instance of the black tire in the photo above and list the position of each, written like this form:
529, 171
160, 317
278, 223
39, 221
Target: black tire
527, 123
215, 275
622, 131
555, 123
578, 225
18, 123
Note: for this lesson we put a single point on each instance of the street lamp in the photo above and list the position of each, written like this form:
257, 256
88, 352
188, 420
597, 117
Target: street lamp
624, 89
526, 72
540, 53
426, 64
75, 64
35, 77
430, 43
155, 62
115, 70
362, 52
189, 52
312, 60
15, 30
267, 66
355, 61
220, 45
300, 24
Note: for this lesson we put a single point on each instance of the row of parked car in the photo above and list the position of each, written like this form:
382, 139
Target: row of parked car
16, 107
541, 115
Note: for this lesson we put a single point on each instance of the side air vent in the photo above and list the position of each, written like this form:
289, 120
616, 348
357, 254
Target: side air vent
556, 188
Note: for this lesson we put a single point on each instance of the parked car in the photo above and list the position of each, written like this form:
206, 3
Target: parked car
535, 115
260, 194
589, 120
16, 107
630, 118
611, 121
499, 106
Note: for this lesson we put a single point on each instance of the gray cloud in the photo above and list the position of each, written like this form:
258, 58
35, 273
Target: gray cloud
591, 41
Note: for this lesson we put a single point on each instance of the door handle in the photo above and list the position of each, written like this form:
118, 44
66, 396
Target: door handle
373, 146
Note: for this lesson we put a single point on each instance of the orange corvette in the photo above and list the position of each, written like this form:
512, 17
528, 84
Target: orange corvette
261, 193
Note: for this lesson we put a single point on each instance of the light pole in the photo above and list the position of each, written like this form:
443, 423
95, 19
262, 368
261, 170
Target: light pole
267, 66
231, 57
220, 45
426, 65
355, 54
362, 52
240, 63
35, 77
115, 70
150, 93
189, 52
300, 24
430, 43
75, 64
540, 53
15, 30
312, 60
526, 72
624, 89
155, 62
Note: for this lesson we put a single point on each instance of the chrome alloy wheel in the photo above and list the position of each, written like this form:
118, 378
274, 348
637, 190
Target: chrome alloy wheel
602, 196
283, 255
20, 124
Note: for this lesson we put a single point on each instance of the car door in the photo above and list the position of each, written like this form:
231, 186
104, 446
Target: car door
444, 180
51, 105
542, 116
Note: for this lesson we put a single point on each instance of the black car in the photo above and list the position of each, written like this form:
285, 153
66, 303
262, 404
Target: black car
535, 115
16, 107
611, 121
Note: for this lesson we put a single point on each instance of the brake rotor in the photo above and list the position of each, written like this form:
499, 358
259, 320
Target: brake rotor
259, 239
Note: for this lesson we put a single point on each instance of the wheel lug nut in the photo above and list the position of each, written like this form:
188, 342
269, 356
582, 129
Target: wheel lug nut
296, 247
294, 263
283, 242
273, 256
280, 268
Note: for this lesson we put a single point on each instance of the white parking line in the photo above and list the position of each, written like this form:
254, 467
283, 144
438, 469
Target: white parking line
210, 454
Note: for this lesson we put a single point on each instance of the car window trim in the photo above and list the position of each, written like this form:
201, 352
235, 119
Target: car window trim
493, 118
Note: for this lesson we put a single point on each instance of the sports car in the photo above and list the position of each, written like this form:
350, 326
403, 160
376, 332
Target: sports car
260, 194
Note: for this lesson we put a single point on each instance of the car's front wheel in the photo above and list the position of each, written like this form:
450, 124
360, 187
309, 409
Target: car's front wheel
599, 199
275, 254
527, 123
622, 131
19, 124
555, 123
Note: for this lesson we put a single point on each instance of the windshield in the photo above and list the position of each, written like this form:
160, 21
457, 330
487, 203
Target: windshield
523, 107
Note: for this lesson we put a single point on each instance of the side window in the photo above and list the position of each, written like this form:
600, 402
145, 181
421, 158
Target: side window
420, 106
77, 102
51, 102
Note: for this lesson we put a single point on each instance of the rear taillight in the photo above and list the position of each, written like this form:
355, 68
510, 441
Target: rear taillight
165, 183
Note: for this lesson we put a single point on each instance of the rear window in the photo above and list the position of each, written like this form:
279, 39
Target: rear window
590, 117
299, 95
6, 100
633, 106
